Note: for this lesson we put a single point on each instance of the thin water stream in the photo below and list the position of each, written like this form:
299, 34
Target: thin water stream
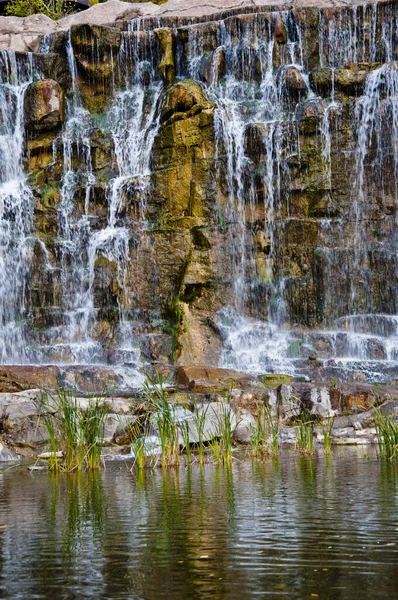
294, 528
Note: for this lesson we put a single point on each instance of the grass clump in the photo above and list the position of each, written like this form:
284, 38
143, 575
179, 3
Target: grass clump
264, 438
155, 394
387, 433
200, 413
75, 430
224, 434
327, 426
305, 432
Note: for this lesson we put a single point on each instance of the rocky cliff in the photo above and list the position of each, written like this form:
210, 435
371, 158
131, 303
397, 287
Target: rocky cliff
202, 185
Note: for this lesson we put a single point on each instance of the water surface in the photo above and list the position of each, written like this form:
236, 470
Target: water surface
296, 528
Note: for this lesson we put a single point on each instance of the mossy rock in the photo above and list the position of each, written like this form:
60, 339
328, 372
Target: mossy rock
182, 97
273, 380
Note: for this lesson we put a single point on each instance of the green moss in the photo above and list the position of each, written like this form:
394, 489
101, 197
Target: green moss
274, 380
50, 197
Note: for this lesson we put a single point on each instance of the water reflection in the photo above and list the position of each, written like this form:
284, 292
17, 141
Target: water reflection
287, 528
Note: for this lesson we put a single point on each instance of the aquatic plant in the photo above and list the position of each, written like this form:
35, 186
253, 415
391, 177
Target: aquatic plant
140, 458
74, 429
200, 413
264, 438
305, 432
386, 425
163, 418
185, 431
215, 448
224, 431
327, 426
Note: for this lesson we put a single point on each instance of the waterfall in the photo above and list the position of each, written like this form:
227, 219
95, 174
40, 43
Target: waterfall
83, 239
250, 98
302, 202
16, 209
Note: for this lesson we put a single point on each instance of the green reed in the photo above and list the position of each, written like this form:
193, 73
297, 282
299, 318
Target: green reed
140, 458
225, 432
305, 432
186, 438
264, 438
199, 419
75, 430
327, 427
386, 425
167, 429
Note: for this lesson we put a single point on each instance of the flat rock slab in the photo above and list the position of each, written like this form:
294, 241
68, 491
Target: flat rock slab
20, 377
23, 34
84, 379
213, 379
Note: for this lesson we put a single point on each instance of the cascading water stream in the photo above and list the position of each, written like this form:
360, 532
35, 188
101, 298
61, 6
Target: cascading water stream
348, 37
82, 243
16, 209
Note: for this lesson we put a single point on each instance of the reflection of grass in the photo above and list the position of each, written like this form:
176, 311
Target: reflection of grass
73, 430
387, 434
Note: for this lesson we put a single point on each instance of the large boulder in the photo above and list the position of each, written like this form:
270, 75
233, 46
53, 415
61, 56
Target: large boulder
182, 98
44, 106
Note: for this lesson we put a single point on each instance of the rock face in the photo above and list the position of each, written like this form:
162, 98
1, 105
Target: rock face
44, 106
172, 166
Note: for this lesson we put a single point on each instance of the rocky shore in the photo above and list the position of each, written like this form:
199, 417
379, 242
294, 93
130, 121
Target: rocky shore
350, 405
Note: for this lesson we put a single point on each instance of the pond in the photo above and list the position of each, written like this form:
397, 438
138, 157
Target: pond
294, 528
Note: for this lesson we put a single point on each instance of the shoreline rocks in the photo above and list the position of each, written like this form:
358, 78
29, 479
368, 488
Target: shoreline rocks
351, 406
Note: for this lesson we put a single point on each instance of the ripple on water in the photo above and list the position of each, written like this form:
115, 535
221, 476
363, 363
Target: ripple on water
289, 529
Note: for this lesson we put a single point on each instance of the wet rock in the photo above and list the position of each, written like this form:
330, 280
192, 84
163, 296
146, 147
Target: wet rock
293, 398
280, 33
212, 66
26, 377
166, 66
292, 84
119, 428
357, 397
7, 455
183, 97
211, 378
44, 106
244, 429
309, 115
350, 80
96, 49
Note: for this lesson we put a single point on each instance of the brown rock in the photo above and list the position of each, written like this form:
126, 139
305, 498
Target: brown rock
183, 97
44, 106
25, 377
211, 378
167, 66
280, 34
